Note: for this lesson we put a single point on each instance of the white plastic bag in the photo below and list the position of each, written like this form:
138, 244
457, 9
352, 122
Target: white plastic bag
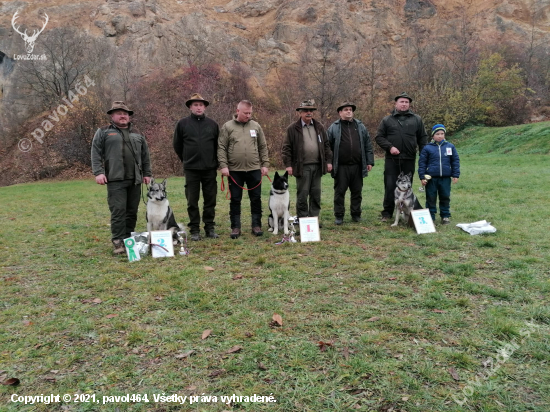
477, 228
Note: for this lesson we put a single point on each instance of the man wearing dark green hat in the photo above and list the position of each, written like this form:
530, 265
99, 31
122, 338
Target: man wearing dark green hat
400, 135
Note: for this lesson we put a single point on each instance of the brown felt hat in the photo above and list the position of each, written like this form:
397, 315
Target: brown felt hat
307, 104
119, 106
404, 95
347, 104
195, 97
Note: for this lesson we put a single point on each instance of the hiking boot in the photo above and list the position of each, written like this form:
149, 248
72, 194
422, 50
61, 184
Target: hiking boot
257, 231
356, 218
118, 246
195, 236
339, 220
211, 233
445, 220
235, 233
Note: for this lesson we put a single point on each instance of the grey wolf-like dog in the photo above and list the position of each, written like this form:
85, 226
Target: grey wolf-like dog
279, 204
159, 214
405, 199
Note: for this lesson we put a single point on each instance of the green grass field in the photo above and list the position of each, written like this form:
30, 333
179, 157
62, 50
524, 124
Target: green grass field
375, 318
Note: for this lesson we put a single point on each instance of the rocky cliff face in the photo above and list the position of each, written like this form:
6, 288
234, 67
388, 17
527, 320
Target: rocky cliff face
264, 35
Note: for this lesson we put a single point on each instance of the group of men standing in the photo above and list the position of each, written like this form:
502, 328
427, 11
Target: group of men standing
120, 159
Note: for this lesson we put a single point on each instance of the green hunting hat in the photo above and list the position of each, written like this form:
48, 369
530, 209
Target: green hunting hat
403, 95
307, 104
346, 104
195, 97
119, 106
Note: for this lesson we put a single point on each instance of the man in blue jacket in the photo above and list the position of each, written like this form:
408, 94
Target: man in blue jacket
437, 165
353, 159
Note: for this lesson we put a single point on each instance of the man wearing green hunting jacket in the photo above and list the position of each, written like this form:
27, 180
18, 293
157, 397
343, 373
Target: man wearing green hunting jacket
353, 160
400, 135
120, 159
243, 158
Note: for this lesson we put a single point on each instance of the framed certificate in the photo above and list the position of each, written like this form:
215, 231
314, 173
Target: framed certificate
309, 229
423, 221
161, 243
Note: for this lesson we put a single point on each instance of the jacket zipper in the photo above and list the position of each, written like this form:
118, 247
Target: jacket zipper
440, 165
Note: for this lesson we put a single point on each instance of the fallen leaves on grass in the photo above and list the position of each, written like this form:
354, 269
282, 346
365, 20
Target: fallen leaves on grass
392, 278
216, 373
209, 268
277, 320
185, 354
11, 382
261, 366
454, 374
112, 315
237, 277
323, 346
373, 319
235, 349
439, 311
345, 353
206, 334
27, 322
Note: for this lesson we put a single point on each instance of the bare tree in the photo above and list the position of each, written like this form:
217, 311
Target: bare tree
70, 55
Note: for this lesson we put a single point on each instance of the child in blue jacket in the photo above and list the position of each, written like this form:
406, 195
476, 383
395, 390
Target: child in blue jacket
437, 165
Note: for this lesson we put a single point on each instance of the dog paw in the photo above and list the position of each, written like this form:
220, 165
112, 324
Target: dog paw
395, 224
287, 233
275, 232
270, 229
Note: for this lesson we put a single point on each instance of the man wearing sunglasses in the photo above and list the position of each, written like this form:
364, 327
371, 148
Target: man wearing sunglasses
307, 156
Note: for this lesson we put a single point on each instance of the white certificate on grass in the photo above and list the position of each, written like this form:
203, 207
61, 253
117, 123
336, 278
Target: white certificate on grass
309, 229
423, 221
161, 243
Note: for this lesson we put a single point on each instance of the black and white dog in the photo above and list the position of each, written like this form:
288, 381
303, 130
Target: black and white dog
405, 199
279, 204
159, 214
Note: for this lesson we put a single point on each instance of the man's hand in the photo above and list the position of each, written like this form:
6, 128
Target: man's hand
265, 171
455, 179
394, 151
146, 179
101, 179
369, 168
329, 167
424, 182
289, 170
224, 171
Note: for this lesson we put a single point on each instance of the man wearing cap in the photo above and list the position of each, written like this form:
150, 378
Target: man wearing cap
243, 158
353, 160
307, 156
196, 144
120, 159
400, 135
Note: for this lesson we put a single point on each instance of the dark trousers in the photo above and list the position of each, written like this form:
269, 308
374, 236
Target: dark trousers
439, 186
309, 185
348, 176
193, 181
392, 168
123, 199
251, 178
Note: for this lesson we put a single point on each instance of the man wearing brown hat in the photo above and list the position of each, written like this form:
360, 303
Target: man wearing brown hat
120, 159
353, 160
196, 144
400, 135
307, 157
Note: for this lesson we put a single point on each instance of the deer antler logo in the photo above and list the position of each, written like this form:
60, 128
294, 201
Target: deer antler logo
29, 40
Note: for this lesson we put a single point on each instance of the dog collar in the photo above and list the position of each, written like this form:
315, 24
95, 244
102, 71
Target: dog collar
402, 190
279, 192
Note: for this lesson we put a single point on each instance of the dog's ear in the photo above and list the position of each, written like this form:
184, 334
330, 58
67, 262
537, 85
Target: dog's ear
410, 175
276, 174
285, 175
164, 183
151, 181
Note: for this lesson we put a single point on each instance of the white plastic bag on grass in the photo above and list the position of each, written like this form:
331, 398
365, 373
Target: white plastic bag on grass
477, 228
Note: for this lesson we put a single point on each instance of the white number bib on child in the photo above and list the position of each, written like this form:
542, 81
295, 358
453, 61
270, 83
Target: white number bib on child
449, 151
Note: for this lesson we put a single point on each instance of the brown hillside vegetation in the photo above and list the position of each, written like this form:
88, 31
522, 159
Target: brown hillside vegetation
464, 62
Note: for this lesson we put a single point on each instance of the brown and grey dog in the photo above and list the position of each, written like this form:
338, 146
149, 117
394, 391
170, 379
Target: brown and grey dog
159, 214
405, 199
